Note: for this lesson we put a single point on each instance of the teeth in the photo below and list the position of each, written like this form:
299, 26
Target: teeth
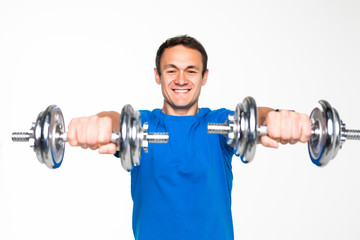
180, 90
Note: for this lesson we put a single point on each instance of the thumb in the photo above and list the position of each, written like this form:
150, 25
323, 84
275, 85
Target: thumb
266, 141
109, 148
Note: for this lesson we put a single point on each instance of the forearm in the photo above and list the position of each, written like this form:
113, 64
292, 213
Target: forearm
115, 119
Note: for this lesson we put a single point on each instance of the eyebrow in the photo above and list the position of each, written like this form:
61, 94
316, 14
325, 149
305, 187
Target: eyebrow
174, 66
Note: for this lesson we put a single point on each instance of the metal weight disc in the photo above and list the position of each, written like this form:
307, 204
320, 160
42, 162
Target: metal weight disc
250, 128
337, 136
52, 150
325, 142
125, 137
316, 144
38, 137
236, 139
135, 140
57, 127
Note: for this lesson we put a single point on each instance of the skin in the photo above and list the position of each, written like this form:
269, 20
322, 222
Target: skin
181, 80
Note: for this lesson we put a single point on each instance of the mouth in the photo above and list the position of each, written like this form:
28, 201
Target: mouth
181, 90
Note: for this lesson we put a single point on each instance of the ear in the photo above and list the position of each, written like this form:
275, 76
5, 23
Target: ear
204, 79
157, 76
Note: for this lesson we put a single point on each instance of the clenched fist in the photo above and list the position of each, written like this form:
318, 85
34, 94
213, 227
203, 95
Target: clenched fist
286, 127
94, 132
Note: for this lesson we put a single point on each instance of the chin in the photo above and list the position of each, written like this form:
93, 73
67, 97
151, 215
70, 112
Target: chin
182, 105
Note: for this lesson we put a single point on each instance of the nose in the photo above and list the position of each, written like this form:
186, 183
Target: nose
181, 79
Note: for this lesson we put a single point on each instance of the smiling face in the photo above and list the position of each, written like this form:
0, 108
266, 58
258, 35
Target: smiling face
181, 80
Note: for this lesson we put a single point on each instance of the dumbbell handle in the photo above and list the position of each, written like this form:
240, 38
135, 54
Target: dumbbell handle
219, 128
63, 137
222, 128
151, 137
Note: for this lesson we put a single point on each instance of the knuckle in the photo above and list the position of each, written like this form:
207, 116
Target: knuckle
296, 133
103, 139
94, 118
83, 146
305, 117
286, 133
71, 124
94, 147
286, 137
273, 133
91, 141
273, 130
272, 114
105, 121
105, 130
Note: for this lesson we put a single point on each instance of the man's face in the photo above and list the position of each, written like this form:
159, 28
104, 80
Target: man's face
181, 78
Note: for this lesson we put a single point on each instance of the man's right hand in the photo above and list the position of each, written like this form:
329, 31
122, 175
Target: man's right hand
94, 132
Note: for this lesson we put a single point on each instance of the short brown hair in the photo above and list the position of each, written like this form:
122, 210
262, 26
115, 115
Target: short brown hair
186, 41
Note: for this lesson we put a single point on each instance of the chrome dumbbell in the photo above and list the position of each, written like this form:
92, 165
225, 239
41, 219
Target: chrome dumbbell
328, 132
48, 137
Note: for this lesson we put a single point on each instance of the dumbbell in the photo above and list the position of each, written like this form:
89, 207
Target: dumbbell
328, 132
48, 137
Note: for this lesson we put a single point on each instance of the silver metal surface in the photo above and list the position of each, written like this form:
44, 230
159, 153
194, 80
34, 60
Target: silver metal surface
157, 137
327, 137
56, 126
251, 129
42, 136
144, 136
125, 137
239, 126
335, 143
218, 128
21, 136
48, 137
63, 137
242, 130
316, 144
328, 132
136, 139
351, 134
37, 129
262, 130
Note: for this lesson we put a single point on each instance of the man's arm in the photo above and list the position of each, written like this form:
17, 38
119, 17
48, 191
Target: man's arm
284, 127
94, 132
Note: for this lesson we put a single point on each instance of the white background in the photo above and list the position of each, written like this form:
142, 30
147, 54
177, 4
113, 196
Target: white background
89, 56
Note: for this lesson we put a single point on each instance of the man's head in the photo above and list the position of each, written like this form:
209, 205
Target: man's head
186, 41
181, 70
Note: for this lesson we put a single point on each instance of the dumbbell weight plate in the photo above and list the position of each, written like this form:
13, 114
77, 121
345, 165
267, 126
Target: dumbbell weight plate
125, 137
337, 134
249, 128
37, 137
325, 142
135, 140
49, 125
236, 138
316, 144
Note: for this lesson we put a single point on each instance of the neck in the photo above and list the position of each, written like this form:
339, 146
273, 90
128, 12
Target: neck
180, 111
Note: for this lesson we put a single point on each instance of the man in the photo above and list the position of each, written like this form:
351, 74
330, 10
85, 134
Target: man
182, 190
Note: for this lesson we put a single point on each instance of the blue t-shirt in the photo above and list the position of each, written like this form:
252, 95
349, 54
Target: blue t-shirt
182, 189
